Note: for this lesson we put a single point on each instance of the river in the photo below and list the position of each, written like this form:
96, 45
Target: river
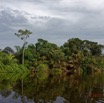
16, 88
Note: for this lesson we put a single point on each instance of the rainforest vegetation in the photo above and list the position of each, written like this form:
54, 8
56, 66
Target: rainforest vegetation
74, 56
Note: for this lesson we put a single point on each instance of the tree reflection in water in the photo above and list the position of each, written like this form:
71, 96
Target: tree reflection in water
53, 89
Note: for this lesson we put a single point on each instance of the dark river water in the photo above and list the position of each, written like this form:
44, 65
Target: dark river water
15, 88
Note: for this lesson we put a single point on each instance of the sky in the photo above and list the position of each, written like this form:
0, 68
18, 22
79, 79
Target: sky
52, 20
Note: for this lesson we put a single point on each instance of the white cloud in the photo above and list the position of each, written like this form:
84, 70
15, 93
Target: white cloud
89, 4
58, 19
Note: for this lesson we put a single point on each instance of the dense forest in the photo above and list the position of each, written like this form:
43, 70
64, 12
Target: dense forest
74, 56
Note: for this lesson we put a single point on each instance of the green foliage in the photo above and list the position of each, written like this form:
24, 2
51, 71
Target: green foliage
82, 54
8, 80
43, 52
87, 47
56, 71
50, 53
42, 71
74, 56
8, 63
23, 34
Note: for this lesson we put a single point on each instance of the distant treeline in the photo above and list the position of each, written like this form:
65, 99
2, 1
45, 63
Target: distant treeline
74, 56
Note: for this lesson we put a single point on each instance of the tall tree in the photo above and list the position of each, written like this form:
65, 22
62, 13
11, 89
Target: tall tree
23, 35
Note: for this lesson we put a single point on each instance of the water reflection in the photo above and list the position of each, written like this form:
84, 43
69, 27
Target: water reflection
53, 89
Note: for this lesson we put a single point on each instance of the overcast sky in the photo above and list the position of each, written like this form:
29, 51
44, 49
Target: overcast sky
53, 20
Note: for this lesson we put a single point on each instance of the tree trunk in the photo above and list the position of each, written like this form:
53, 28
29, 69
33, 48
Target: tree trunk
23, 55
